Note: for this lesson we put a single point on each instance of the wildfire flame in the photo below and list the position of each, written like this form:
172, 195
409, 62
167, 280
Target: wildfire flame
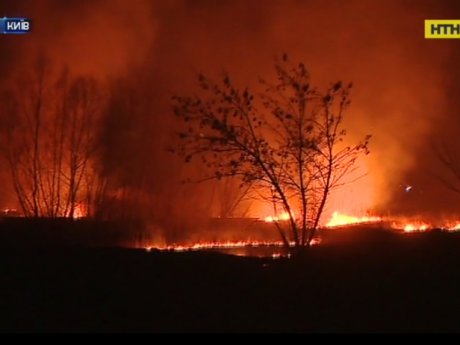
407, 226
340, 219
221, 245
454, 227
282, 217
414, 227
80, 211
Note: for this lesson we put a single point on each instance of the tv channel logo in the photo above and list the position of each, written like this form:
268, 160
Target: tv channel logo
442, 28
15, 25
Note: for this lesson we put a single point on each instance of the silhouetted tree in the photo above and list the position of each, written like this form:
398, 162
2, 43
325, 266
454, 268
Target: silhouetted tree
286, 142
49, 140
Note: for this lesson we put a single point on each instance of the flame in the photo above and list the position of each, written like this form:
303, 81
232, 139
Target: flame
416, 227
220, 245
80, 211
453, 227
282, 217
340, 219
411, 226
407, 226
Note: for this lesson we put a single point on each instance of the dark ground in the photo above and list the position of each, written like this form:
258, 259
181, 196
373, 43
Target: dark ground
363, 282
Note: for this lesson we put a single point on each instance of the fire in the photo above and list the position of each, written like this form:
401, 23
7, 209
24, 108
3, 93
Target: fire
282, 217
453, 227
412, 226
220, 245
407, 226
415, 227
340, 219
80, 211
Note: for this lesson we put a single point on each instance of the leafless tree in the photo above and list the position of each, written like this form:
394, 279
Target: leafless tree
49, 141
285, 142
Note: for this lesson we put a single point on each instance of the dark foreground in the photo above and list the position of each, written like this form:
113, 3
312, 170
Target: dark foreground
389, 283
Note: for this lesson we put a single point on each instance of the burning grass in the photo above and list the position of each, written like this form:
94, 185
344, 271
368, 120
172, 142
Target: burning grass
239, 236
338, 222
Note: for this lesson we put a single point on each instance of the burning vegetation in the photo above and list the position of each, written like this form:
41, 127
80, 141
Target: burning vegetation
285, 142
146, 145
85, 123
283, 146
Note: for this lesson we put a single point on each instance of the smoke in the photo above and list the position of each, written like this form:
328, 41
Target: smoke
400, 78
148, 50
92, 37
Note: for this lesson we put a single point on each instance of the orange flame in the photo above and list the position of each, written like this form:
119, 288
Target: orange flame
220, 245
415, 227
411, 226
282, 217
340, 219
453, 227
80, 211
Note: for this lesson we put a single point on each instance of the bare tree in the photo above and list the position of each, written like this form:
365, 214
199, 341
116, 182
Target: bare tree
23, 116
286, 142
49, 141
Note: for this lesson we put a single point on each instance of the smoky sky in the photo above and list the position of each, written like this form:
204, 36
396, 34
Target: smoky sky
405, 87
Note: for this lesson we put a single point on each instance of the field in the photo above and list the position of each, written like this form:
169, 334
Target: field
363, 281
